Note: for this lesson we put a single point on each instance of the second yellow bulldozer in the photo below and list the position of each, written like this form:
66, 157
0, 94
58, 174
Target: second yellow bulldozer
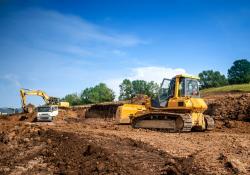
178, 108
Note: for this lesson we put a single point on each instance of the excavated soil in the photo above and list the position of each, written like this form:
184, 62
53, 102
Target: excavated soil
40, 148
229, 106
98, 146
76, 144
65, 115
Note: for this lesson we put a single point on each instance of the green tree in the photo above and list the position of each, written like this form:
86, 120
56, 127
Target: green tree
152, 89
126, 90
239, 73
130, 89
73, 99
99, 93
212, 78
139, 87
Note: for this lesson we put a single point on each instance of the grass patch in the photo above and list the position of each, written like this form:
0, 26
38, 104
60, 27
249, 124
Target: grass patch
229, 88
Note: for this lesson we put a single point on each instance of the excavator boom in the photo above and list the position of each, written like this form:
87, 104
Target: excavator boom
47, 99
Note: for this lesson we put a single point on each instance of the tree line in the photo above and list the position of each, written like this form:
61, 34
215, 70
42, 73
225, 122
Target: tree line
238, 73
101, 93
97, 94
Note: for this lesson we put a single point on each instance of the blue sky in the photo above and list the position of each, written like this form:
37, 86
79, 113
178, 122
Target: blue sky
63, 46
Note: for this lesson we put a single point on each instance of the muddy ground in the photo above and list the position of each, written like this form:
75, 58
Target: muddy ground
73, 144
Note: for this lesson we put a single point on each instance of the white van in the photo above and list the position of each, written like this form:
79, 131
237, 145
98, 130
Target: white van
47, 113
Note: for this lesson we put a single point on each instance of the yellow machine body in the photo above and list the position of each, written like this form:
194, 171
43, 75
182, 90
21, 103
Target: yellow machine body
125, 111
187, 107
64, 104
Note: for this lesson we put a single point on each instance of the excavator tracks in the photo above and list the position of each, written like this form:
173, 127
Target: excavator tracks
209, 123
172, 122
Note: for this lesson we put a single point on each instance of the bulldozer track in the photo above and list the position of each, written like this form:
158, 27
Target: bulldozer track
187, 122
209, 123
172, 122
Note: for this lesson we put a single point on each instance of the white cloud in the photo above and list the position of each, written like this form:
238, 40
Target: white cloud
153, 73
78, 53
57, 32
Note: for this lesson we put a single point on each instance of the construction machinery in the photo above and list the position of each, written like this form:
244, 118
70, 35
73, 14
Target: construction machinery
48, 99
178, 108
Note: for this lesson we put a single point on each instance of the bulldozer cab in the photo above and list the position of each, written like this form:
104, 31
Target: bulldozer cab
166, 91
186, 87
189, 87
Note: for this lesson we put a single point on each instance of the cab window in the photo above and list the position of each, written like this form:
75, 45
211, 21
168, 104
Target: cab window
192, 88
182, 87
163, 95
166, 91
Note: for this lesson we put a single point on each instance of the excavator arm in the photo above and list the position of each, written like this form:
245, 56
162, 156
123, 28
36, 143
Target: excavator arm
48, 100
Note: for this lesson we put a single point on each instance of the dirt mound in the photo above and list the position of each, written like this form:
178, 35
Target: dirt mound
70, 115
232, 164
201, 147
236, 107
90, 155
29, 117
232, 126
29, 148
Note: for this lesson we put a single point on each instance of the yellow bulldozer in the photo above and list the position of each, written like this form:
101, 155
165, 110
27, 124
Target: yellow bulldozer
48, 99
178, 108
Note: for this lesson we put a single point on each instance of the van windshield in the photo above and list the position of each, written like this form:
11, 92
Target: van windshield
44, 109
